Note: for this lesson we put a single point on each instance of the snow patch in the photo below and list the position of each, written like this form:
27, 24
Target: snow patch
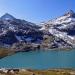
18, 38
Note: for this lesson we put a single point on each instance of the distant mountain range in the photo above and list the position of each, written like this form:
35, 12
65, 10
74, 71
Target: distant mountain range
62, 29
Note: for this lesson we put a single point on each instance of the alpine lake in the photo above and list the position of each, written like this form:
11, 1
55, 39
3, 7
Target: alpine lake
40, 60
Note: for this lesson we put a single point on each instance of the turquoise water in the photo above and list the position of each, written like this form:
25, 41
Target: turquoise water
40, 60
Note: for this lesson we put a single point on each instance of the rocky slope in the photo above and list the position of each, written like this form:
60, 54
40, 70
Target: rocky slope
14, 30
62, 28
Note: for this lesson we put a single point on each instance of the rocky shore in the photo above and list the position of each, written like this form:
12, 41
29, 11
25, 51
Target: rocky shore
15, 71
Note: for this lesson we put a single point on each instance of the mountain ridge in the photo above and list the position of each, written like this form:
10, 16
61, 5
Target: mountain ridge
56, 33
62, 27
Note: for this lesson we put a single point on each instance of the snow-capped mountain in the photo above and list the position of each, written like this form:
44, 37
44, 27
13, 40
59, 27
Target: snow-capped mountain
62, 27
66, 18
15, 30
62, 21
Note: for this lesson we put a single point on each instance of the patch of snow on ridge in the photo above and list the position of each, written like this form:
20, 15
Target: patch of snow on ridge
18, 38
71, 37
62, 26
43, 28
11, 27
62, 18
63, 21
62, 35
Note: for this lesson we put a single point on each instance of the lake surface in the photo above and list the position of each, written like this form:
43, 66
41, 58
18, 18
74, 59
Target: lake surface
40, 60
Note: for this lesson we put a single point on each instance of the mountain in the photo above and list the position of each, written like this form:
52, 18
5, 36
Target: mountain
7, 17
21, 35
14, 30
62, 27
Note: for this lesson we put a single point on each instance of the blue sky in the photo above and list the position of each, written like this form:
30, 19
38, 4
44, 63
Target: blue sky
36, 10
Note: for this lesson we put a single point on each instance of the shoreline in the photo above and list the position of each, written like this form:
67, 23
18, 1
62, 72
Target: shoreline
23, 71
11, 52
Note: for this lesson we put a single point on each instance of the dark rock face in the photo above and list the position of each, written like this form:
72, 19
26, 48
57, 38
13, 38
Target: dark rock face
8, 38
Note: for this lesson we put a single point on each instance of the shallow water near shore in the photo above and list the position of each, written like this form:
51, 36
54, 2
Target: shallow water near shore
40, 60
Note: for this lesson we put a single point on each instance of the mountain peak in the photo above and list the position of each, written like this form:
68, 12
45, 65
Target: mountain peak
71, 13
7, 16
